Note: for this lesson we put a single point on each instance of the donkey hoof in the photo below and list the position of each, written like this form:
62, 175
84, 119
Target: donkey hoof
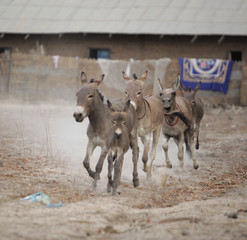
197, 146
196, 166
136, 182
108, 189
92, 174
169, 165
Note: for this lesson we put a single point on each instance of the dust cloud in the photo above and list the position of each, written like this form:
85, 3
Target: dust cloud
49, 130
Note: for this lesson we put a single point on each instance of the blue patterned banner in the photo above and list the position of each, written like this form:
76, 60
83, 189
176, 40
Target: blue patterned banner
214, 74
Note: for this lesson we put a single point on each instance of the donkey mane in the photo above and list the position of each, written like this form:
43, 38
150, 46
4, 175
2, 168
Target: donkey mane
100, 95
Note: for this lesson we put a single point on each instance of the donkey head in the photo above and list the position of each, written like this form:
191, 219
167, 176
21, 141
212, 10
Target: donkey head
167, 95
118, 118
188, 93
86, 97
133, 90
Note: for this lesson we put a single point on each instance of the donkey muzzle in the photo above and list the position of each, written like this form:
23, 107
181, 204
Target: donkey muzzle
78, 117
79, 114
118, 132
167, 105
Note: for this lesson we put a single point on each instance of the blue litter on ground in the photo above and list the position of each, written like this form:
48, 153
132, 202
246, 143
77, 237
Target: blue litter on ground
43, 198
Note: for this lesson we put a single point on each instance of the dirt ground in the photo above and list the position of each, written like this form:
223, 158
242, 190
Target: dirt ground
42, 148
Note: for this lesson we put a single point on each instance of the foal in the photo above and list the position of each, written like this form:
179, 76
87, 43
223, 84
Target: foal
118, 142
197, 107
177, 123
150, 116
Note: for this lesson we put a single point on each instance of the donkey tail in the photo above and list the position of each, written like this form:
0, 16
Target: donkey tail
181, 116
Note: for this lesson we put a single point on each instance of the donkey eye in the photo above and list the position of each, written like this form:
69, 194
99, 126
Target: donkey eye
90, 96
139, 93
161, 94
123, 122
114, 122
126, 93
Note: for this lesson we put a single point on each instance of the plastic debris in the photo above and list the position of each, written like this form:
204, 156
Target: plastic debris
43, 198
54, 205
37, 197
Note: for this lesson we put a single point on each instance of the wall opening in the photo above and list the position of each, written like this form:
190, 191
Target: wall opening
99, 53
235, 56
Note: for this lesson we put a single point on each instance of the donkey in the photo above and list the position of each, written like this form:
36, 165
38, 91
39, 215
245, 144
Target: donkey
197, 107
90, 104
119, 141
150, 116
177, 123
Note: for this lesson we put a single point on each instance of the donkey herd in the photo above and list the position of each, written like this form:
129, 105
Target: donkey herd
116, 126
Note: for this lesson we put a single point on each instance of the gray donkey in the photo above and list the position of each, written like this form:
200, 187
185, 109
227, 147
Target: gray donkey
150, 116
177, 123
90, 104
119, 141
197, 107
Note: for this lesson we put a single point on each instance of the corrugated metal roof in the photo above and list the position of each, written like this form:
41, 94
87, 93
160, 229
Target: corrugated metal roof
192, 17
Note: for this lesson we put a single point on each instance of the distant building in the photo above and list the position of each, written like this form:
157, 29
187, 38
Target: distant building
116, 29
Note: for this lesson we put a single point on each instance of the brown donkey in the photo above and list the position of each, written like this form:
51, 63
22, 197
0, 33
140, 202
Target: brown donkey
90, 104
197, 108
150, 116
177, 123
123, 126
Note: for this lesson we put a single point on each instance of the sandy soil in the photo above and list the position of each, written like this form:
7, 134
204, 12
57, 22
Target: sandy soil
42, 148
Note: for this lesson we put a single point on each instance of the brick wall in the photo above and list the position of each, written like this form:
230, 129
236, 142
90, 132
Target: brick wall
125, 47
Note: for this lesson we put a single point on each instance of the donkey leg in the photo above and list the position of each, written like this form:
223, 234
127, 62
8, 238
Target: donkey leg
135, 153
86, 161
195, 164
99, 166
110, 168
190, 143
197, 135
146, 141
179, 141
165, 148
117, 172
156, 135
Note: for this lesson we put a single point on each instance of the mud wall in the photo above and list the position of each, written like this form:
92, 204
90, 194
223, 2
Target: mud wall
38, 78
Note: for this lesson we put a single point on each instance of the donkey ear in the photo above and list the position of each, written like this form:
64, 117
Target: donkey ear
143, 76
135, 76
197, 88
127, 105
160, 84
183, 87
176, 83
83, 77
126, 78
98, 82
109, 105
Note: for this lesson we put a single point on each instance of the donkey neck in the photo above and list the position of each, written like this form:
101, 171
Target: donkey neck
141, 108
99, 114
